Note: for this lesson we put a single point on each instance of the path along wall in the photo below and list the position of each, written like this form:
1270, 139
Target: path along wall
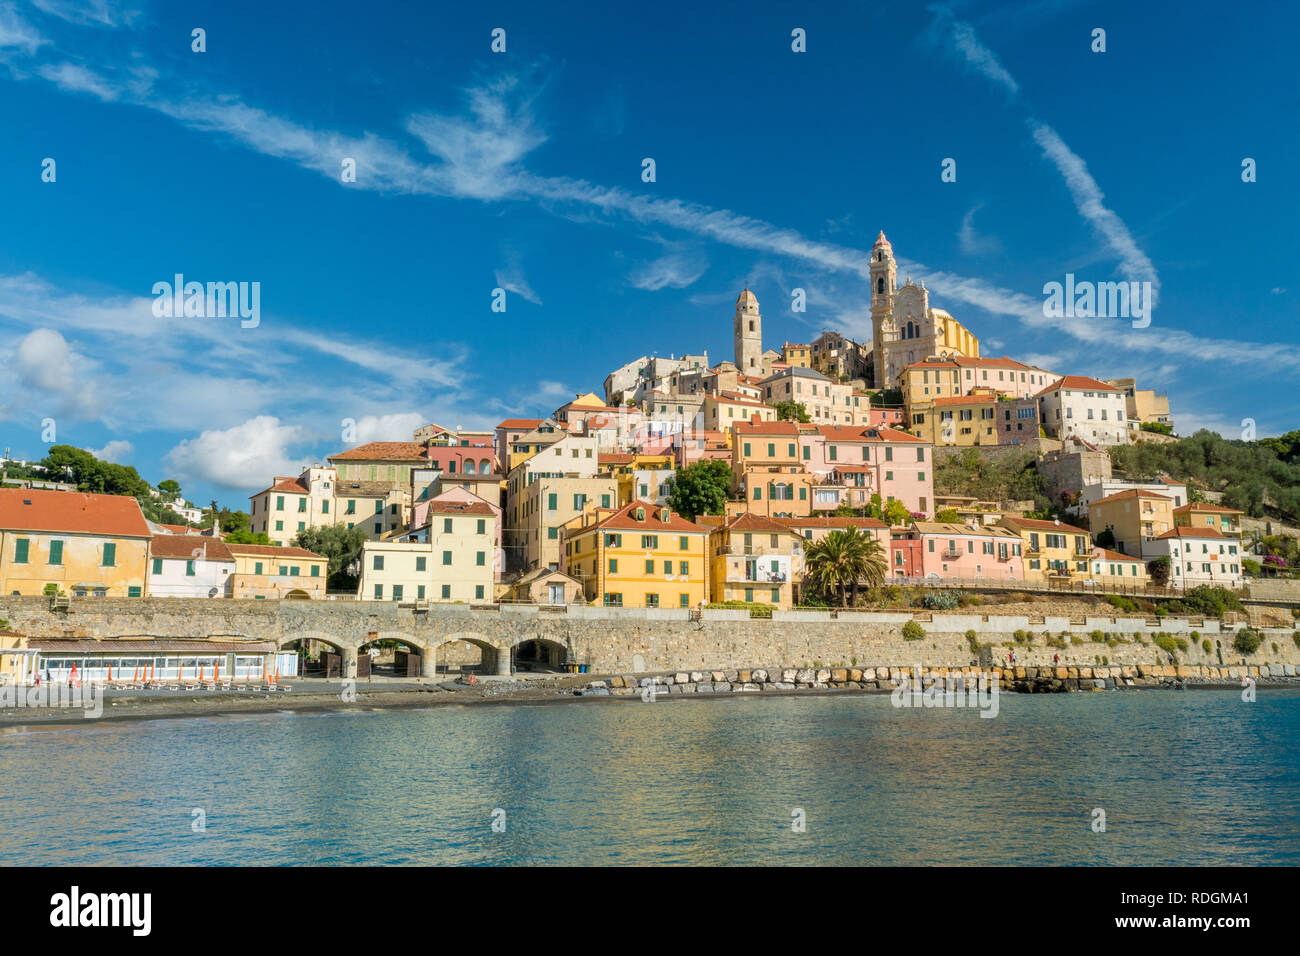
618, 640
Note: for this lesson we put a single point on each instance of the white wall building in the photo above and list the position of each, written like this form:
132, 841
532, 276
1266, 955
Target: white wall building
1084, 408
189, 566
1198, 556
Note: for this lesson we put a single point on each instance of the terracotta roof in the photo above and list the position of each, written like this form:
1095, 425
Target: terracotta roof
1080, 382
867, 433
1189, 531
382, 451
965, 400
766, 428
932, 363
624, 519
1203, 506
174, 528
1116, 556
1037, 524
271, 551
293, 486
945, 527
745, 521
967, 361
460, 508
189, 546
819, 522
73, 512
736, 398
521, 423
1133, 493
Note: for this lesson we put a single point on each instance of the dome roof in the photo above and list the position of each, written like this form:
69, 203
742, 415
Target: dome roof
882, 241
746, 297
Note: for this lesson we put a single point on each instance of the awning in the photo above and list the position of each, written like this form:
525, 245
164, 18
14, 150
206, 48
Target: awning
55, 646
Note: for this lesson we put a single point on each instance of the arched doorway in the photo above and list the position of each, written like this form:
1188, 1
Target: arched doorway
457, 654
320, 655
539, 655
392, 654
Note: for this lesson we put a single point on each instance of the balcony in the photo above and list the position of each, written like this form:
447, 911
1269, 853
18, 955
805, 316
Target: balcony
753, 575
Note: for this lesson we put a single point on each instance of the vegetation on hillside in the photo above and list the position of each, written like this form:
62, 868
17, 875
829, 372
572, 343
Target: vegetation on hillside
1250, 474
1010, 477
788, 410
342, 546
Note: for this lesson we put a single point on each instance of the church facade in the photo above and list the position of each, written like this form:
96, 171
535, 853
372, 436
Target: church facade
905, 327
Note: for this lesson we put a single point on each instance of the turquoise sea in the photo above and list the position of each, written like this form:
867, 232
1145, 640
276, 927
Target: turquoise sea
1195, 777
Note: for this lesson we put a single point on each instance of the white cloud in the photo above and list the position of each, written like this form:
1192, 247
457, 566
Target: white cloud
512, 279
72, 78
117, 451
971, 242
16, 32
103, 13
398, 426
963, 43
675, 270
242, 457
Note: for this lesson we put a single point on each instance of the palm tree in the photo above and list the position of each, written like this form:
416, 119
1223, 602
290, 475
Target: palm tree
844, 559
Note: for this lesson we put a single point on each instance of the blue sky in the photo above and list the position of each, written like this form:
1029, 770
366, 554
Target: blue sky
522, 170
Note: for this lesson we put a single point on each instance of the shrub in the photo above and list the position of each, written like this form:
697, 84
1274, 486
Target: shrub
1210, 601
1076, 640
1247, 641
755, 609
940, 600
1206, 646
1121, 602
1020, 636
1295, 636
1056, 641
1165, 642
913, 631
1097, 637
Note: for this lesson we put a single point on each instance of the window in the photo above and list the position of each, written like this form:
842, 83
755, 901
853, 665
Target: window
21, 547
446, 592
133, 591
446, 526
446, 557
379, 592
157, 565
613, 600
649, 567
480, 558
279, 502
315, 570
56, 553
478, 592
612, 566
302, 504
352, 506
420, 563
257, 567
419, 592
325, 506
397, 592
652, 600
189, 569
482, 526
683, 600
379, 562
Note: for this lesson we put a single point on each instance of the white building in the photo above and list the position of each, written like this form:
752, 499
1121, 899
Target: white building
1084, 408
1175, 491
189, 566
1198, 556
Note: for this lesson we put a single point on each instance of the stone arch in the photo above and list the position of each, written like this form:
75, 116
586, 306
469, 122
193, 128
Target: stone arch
532, 649
495, 655
345, 649
409, 641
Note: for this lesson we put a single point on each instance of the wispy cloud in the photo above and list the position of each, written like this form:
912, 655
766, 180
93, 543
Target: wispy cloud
959, 38
972, 243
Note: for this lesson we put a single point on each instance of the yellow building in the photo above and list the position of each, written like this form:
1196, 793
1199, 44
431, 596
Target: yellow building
638, 556
1052, 550
448, 560
1134, 517
86, 545
753, 560
1226, 521
269, 571
726, 409
797, 354
961, 421
768, 474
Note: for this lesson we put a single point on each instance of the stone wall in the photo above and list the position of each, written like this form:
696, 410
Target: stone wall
627, 640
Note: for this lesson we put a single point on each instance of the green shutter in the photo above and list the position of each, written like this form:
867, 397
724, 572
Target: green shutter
21, 547
56, 552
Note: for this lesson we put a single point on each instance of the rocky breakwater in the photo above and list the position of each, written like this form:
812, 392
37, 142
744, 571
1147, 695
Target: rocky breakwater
1025, 680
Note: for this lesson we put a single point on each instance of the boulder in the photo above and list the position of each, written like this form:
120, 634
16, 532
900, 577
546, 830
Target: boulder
868, 674
823, 675
838, 675
681, 677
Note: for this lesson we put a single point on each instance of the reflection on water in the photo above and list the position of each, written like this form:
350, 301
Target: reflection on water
1184, 778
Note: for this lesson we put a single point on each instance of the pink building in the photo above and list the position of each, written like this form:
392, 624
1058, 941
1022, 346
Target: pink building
905, 550
898, 466
969, 552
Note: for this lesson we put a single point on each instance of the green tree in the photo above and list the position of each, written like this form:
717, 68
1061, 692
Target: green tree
842, 561
248, 537
1158, 569
342, 546
171, 488
948, 516
896, 514
789, 410
701, 488
1105, 539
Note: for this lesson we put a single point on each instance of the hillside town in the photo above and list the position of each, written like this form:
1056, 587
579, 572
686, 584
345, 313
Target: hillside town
591, 505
